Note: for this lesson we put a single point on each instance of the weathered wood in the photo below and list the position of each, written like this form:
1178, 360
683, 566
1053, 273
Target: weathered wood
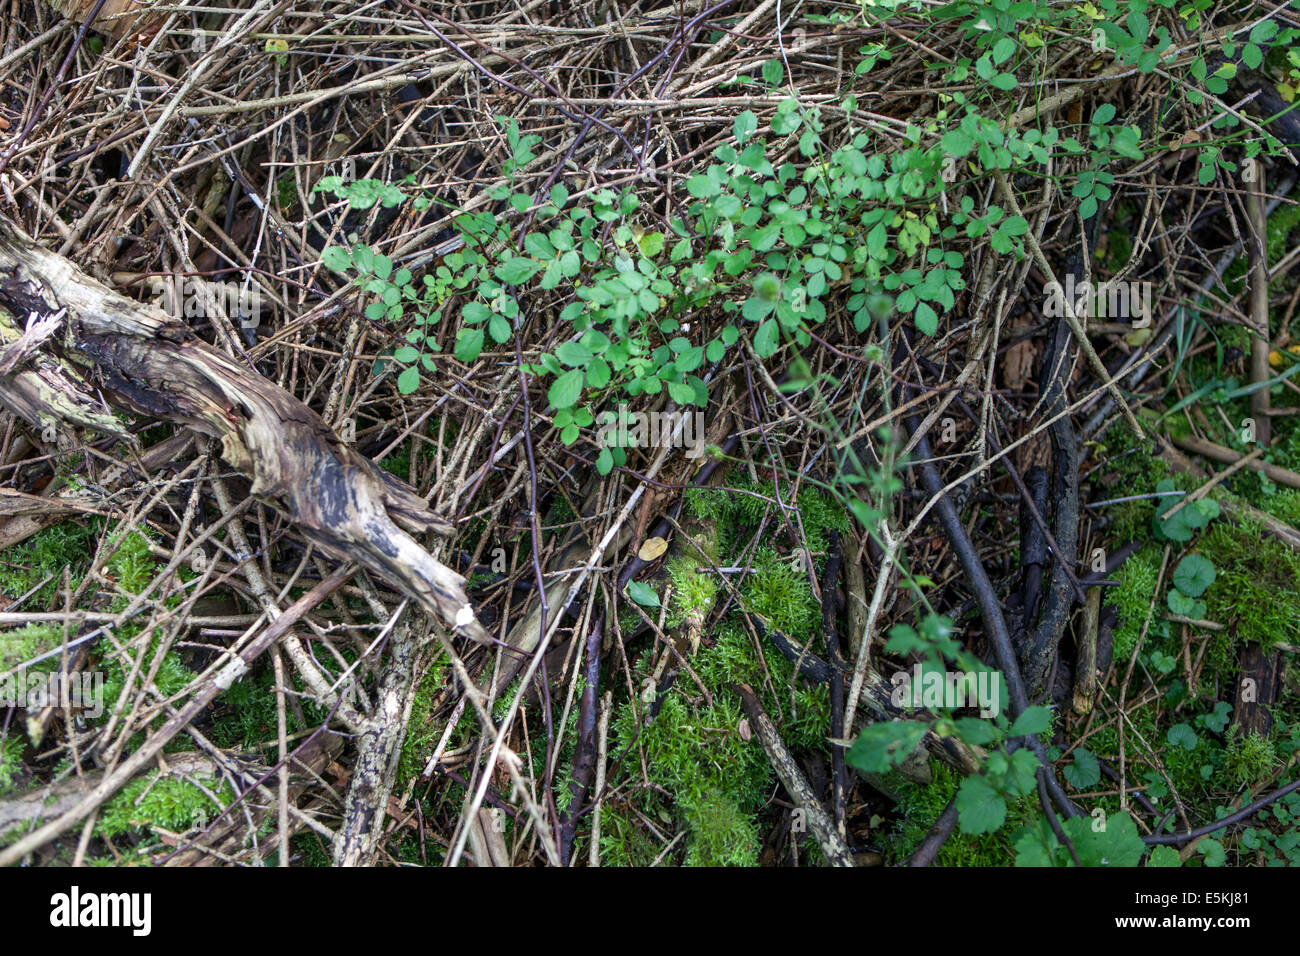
819, 822
115, 17
1257, 689
147, 362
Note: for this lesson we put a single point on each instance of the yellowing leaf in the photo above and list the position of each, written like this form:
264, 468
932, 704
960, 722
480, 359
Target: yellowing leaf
1276, 360
652, 548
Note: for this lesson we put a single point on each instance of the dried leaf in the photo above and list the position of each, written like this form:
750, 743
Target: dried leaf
652, 548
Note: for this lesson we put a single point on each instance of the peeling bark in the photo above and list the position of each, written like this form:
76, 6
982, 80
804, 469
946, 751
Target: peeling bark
145, 361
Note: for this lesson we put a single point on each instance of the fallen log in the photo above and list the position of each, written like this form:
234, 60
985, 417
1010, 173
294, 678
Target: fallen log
149, 363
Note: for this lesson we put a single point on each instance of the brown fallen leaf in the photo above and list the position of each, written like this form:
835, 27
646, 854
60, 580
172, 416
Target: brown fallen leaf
652, 548
115, 16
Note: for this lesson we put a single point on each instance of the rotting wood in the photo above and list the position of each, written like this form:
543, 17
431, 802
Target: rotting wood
154, 365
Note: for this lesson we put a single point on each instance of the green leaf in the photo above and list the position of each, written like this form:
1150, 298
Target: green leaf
745, 124
604, 462
927, 322
1179, 603
642, 593
598, 373
975, 731
517, 270
1118, 844
884, 745
469, 343
766, 338
652, 243
702, 187
498, 328
980, 808
1014, 226
538, 245
1085, 771
363, 257
573, 354
1019, 778
773, 72
1164, 856
1194, 574
683, 393
475, 312
1212, 851
409, 380
1182, 735
1036, 845
566, 389
1263, 31
336, 258
1177, 528
767, 286
1034, 720
957, 143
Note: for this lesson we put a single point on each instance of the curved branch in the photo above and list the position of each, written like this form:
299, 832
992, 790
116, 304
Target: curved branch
154, 365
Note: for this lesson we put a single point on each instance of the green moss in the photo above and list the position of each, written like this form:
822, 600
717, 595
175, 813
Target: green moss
29, 641
1249, 759
11, 763
1130, 470
624, 841
704, 777
708, 504
1192, 772
422, 731
723, 834
1284, 505
1280, 226
1132, 599
804, 725
170, 803
744, 504
716, 779
45, 555
781, 593
1256, 583
310, 850
692, 590
131, 564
